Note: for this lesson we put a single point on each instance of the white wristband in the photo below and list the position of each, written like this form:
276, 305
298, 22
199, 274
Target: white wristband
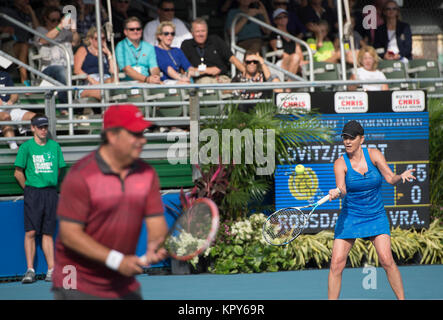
114, 260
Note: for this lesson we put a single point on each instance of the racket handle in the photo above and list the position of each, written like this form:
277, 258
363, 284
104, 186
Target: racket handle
323, 200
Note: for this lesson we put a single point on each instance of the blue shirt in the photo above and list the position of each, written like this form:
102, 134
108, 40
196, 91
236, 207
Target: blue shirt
143, 56
5, 81
174, 58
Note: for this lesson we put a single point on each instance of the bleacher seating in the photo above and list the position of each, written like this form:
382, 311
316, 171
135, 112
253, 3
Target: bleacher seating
393, 69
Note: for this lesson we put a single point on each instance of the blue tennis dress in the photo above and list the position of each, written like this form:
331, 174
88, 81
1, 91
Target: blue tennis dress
363, 213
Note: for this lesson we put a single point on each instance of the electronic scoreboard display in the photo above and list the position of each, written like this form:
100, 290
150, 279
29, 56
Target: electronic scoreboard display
395, 122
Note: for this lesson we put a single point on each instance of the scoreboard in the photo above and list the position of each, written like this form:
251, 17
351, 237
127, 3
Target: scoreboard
395, 122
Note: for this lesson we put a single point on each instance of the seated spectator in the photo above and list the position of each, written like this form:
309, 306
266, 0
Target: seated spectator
86, 62
325, 50
53, 61
255, 71
86, 16
368, 62
18, 46
379, 5
166, 12
358, 42
135, 57
314, 12
394, 36
295, 26
173, 64
292, 56
121, 11
210, 55
16, 114
248, 34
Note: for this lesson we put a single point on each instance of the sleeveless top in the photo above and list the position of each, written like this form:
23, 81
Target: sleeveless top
363, 213
90, 64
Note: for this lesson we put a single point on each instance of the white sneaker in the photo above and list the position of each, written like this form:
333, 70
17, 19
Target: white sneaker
49, 275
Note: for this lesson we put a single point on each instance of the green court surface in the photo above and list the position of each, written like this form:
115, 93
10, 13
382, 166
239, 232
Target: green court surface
421, 282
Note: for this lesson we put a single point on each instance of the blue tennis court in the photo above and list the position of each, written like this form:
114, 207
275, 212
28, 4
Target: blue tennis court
421, 282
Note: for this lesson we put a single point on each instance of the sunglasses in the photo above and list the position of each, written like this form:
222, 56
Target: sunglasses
251, 61
134, 29
54, 20
168, 9
139, 134
169, 33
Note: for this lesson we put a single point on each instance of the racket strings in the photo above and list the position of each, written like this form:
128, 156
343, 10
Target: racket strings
284, 225
191, 231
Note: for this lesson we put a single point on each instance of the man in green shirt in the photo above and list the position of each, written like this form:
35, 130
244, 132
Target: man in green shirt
37, 168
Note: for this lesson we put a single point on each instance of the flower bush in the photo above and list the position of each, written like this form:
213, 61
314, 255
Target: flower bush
240, 248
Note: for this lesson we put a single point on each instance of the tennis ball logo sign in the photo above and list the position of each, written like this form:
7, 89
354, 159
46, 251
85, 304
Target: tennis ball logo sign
304, 184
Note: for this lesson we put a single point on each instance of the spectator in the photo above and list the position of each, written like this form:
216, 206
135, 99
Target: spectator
394, 36
314, 12
53, 60
135, 57
292, 57
22, 11
86, 62
368, 61
255, 71
11, 114
166, 12
173, 64
325, 49
37, 169
121, 11
379, 5
294, 25
210, 55
248, 34
358, 42
86, 16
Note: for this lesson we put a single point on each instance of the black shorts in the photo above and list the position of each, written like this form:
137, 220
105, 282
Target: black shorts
40, 209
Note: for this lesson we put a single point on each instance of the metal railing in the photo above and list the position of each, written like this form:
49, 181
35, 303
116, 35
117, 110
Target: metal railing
234, 46
53, 42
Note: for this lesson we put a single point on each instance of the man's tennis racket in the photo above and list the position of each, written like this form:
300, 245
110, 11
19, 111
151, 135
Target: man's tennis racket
193, 231
285, 225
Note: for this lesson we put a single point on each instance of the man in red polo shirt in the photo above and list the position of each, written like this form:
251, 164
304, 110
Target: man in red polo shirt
103, 201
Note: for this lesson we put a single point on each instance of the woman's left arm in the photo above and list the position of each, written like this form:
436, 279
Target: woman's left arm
380, 162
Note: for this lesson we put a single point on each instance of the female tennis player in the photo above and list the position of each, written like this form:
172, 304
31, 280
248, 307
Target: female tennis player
358, 175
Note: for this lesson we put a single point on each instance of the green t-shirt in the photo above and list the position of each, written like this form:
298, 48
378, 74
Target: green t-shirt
40, 163
324, 52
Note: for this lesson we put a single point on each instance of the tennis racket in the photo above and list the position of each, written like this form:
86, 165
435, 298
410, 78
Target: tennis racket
285, 225
193, 231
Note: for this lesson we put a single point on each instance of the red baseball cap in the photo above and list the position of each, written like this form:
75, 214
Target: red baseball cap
125, 116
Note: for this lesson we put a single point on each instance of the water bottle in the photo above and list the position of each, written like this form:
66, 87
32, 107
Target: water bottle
279, 42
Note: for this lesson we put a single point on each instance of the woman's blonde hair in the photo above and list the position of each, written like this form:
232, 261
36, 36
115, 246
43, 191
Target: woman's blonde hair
90, 34
373, 54
162, 25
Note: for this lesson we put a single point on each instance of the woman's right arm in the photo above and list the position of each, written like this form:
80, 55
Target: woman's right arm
340, 174
79, 58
